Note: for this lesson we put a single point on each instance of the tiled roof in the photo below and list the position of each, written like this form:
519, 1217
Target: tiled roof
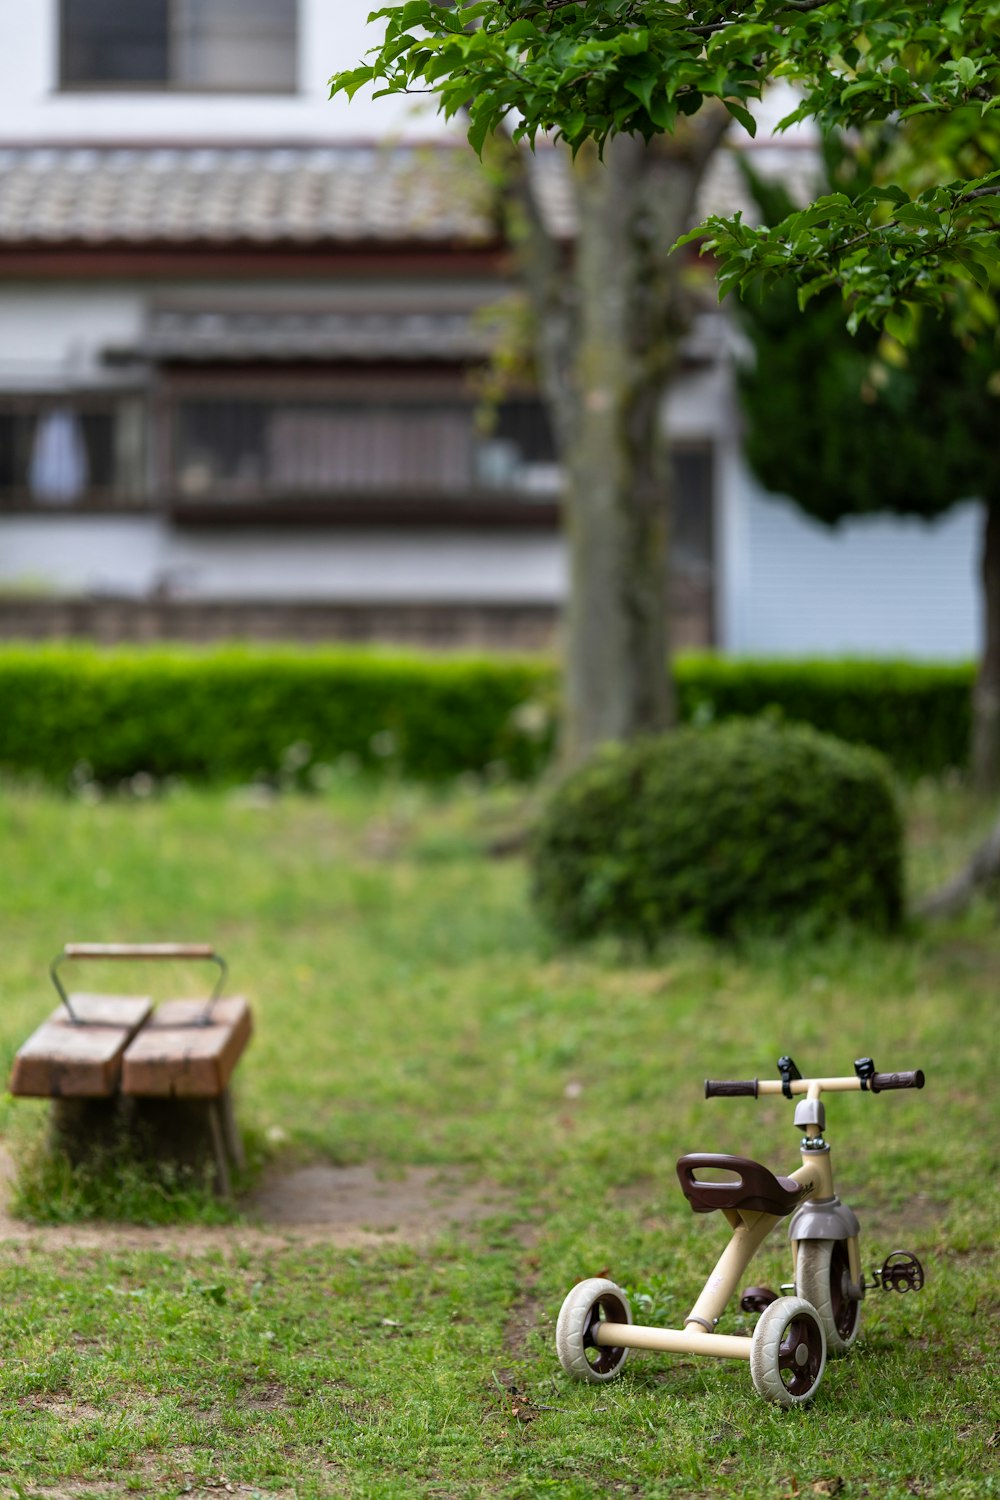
193, 335
309, 195
221, 195
306, 195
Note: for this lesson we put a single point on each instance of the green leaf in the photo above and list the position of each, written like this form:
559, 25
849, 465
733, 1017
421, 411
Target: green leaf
480, 126
520, 31
901, 323
743, 115
415, 13
971, 264
919, 109
631, 43
349, 83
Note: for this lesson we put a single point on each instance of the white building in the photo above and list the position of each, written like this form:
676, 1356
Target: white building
237, 322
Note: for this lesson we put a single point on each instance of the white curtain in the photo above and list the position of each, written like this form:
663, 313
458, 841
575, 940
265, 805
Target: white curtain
58, 470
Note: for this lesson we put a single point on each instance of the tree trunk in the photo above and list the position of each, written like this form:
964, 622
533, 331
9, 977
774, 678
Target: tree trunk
986, 694
617, 684
608, 325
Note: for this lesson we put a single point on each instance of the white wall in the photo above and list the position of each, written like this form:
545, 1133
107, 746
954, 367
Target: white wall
54, 335
136, 555
874, 586
332, 36
57, 334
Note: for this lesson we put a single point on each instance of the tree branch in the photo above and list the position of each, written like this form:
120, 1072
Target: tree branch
982, 870
548, 283
710, 28
799, 6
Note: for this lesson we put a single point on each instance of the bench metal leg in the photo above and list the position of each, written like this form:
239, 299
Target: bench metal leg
231, 1133
223, 1184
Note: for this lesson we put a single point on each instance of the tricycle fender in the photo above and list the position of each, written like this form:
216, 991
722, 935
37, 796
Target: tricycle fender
828, 1220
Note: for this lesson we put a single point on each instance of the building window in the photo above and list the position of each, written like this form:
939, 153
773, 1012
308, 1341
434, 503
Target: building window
692, 549
258, 449
183, 44
72, 452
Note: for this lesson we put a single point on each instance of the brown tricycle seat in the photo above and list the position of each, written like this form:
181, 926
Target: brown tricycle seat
754, 1188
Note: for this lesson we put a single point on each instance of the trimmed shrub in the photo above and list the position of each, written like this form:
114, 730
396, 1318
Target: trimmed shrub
750, 825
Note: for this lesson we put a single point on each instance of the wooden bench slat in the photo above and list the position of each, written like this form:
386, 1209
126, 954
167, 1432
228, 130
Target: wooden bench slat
63, 1059
173, 1057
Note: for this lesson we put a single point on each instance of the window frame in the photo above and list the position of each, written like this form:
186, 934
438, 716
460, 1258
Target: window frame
42, 400
702, 585
167, 87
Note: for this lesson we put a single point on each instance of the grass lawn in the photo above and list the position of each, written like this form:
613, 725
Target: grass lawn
411, 1014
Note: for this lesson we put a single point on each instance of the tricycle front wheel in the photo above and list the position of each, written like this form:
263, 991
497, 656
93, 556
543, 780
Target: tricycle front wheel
822, 1277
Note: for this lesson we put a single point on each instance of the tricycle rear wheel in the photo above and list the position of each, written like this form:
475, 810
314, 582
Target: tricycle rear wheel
591, 1302
788, 1353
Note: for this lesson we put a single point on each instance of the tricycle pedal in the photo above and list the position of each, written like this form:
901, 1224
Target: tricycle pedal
899, 1272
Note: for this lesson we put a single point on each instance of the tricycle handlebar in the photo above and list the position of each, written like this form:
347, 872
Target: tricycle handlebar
877, 1083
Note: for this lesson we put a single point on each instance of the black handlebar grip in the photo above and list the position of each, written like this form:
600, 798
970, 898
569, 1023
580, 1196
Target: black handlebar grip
911, 1080
730, 1087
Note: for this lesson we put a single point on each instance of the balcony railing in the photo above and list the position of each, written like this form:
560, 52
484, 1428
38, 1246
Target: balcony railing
265, 451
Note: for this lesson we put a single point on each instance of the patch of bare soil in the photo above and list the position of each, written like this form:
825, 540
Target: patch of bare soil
353, 1200
72, 1489
920, 1215
63, 1408
349, 1207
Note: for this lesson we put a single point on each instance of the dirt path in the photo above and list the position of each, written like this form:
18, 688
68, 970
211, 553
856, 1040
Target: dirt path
344, 1206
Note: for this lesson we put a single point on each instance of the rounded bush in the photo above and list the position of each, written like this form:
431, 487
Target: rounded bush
746, 826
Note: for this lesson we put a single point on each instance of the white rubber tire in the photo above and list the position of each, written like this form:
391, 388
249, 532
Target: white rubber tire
595, 1298
821, 1274
780, 1373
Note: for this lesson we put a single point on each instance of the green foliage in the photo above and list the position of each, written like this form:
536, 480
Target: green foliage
78, 713
884, 251
743, 828
883, 429
239, 713
886, 427
918, 716
588, 69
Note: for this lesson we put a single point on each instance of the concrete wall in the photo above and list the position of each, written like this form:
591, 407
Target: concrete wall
142, 555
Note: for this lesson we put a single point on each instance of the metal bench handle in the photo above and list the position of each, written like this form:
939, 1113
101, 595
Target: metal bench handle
141, 950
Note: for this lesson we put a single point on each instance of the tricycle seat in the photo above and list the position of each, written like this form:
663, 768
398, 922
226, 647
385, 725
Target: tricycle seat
752, 1187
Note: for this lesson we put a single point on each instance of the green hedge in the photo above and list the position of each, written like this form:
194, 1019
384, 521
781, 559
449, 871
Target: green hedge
233, 712
750, 825
918, 715
236, 713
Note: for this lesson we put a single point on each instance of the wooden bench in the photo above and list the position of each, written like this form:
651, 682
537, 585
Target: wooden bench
118, 1048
